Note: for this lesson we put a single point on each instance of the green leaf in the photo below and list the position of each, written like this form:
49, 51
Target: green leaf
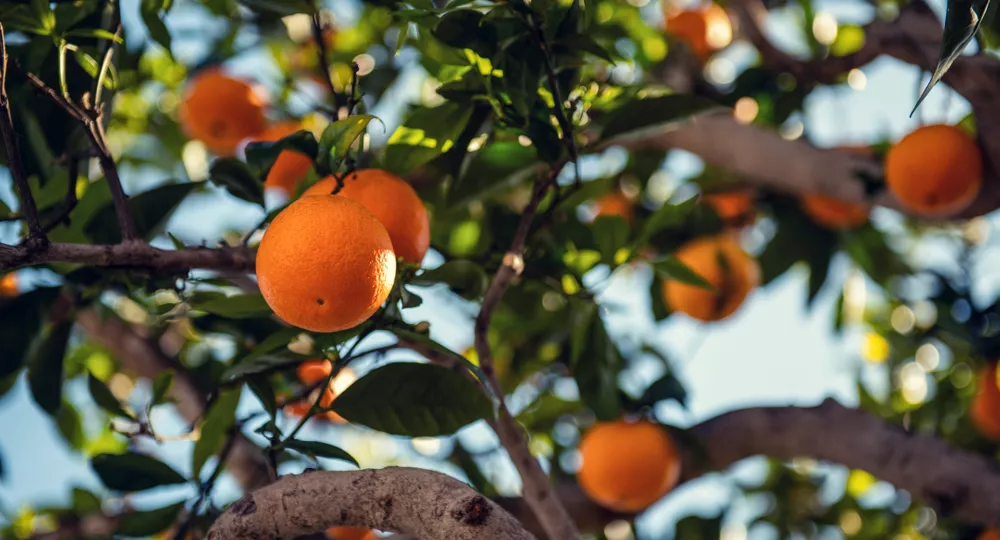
219, 420
585, 43
149, 522
610, 234
103, 397
464, 278
698, 528
240, 306
259, 364
280, 7
45, 369
961, 23
494, 167
261, 155
238, 179
21, 320
640, 117
666, 387
133, 472
70, 426
427, 134
672, 268
465, 29
161, 386
261, 387
668, 216
417, 400
153, 12
278, 339
595, 361
98, 33
150, 209
337, 138
320, 449
542, 415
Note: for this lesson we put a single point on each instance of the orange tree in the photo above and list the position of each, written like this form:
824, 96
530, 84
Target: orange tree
480, 196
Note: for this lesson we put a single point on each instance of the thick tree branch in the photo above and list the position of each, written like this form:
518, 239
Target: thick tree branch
538, 492
130, 255
425, 504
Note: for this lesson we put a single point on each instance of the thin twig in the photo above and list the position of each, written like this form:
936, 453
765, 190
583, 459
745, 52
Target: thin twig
324, 61
206, 488
538, 492
349, 165
558, 107
106, 66
35, 234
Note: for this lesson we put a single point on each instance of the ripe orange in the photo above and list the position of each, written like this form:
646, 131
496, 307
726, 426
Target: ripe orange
313, 371
834, 213
298, 408
735, 208
732, 280
394, 202
704, 30
221, 111
350, 533
614, 204
989, 534
627, 466
935, 171
8, 285
291, 166
985, 410
325, 264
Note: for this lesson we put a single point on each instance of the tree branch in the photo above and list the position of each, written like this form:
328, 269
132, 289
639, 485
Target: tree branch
422, 503
132, 255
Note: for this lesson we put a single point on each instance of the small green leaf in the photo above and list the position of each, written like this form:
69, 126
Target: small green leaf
666, 387
103, 397
610, 234
672, 268
261, 387
466, 29
219, 420
161, 386
585, 43
148, 522
638, 117
496, 166
152, 16
238, 179
261, 155
595, 361
70, 426
150, 209
464, 278
668, 216
241, 306
134, 472
427, 134
21, 320
45, 369
337, 138
278, 339
258, 364
320, 449
961, 23
98, 33
416, 400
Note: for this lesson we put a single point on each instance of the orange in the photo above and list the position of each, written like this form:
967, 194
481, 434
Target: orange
313, 371
834, 213
394, 202
989, 534
732, 281
935, 171
325, 264
350, 533
614, 204
735, 208
221, 111
291, 166
8, 285
985, 410
298, 408
704, 30
627, 466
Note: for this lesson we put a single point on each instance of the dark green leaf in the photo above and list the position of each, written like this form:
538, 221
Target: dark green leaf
241, 306
45, 369
698, 528
961, 23
149, 522
261, 155
152, 12
672, 268
150, 209
21, 320
464, 278
668, 216
666, 387
133, 472
259, 364
595, 361
610, 235
161, 385
261, 387
219, 420
496, 166
585, 43
280, 7
465, 29
274, 341
640, 117
70, 426
428, 133
85, 502
337, 138
238, 179
417, 400
103, 397
320, 449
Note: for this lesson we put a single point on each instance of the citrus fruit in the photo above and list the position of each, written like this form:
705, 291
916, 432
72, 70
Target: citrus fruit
724, 265
735, 208
935, 171
704, 30
614, 204
8, 285
313, 371
989, 534
833, 213
299, 408
350, 533
627, 466
325, 264
291, 166
221, 111
394, 202
985, 410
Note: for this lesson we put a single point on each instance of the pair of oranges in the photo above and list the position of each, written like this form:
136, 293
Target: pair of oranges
312, 372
